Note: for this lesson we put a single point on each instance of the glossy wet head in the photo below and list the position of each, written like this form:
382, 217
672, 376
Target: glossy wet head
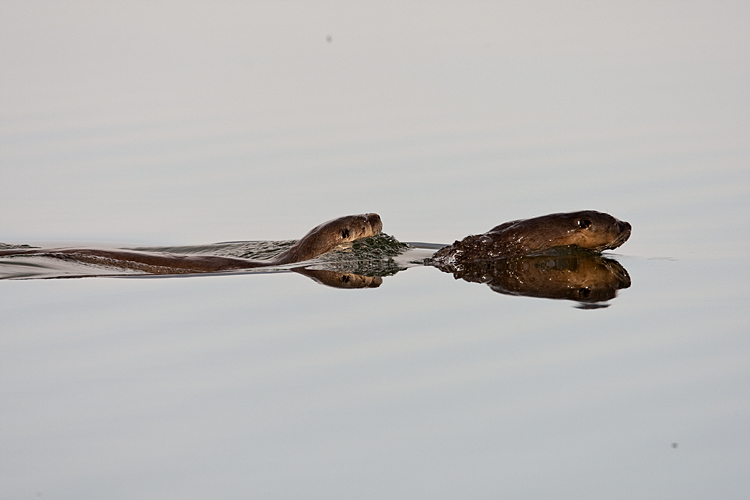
350, 227
373, 225
329, 235
587, 229
597, 231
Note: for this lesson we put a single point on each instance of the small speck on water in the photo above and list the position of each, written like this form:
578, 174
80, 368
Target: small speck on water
329, 38
674, 445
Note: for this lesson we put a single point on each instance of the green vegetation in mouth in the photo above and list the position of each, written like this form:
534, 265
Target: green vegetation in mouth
371, 256
380, 246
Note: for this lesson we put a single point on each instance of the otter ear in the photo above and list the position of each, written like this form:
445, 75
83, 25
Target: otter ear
345, 233
584, 223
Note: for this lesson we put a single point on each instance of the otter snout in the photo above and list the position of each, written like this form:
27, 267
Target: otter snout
624, 228
375, 223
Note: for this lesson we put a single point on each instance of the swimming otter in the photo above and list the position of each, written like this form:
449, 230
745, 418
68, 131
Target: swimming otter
318, 241
586, 229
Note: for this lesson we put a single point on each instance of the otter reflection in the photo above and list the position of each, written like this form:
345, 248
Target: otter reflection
569, 274
337, 279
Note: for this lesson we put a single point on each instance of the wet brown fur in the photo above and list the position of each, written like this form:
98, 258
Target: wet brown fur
587, 229
318, 241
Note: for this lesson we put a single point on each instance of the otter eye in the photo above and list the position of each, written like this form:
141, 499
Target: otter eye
345, 233
584, 223
585, 292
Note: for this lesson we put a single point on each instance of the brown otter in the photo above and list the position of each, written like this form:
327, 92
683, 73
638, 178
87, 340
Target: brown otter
318, 241
586, 229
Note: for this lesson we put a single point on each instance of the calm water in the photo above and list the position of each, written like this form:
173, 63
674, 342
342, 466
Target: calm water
180, 125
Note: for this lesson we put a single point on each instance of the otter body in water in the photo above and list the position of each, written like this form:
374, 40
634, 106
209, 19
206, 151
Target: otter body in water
318, 241
586, 229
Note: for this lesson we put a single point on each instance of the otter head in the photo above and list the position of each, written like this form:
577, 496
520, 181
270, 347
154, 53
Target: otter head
329, 235
587, 229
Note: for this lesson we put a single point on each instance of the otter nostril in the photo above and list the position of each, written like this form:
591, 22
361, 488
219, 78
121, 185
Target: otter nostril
345, 233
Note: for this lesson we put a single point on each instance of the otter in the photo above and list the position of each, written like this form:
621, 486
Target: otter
588, 229
318, 241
